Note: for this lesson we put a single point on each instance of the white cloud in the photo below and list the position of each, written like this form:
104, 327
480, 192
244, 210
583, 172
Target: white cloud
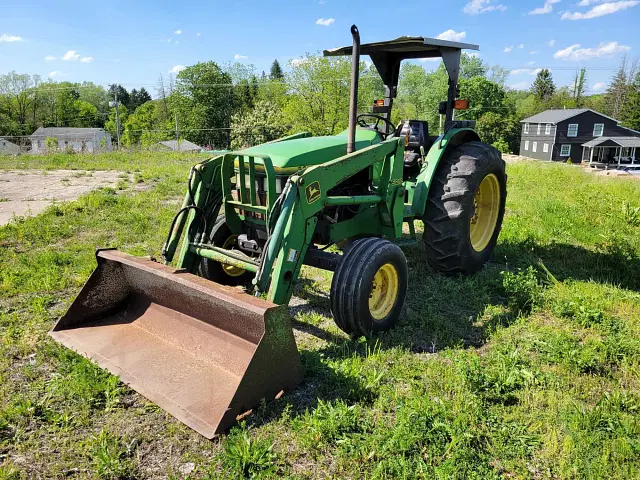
526, 71
237, 56
546, 8
520, 86
49, 58
177, 69
508, 49
452, 36
521, 45
198, 34
551, 43
533, 52
178, 32
71, 56
586, 3
169, 40
6, 38
86, 59
601, 10
599, 87
574, 52
437, 59
325, 22
56, 73
476, 7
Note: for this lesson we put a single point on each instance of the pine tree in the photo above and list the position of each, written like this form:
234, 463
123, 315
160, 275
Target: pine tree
543, 86
276, 71
630, 112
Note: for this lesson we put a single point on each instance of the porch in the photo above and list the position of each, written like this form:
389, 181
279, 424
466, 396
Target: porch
605, 152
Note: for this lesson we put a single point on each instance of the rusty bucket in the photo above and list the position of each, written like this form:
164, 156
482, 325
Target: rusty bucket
203, 352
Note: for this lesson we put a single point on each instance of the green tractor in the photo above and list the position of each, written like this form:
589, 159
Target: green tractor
205, 350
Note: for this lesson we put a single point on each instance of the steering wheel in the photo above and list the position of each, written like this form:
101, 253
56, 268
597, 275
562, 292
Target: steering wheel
362, 123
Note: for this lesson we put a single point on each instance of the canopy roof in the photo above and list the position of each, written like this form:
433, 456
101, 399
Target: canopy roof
405, 47
626, 142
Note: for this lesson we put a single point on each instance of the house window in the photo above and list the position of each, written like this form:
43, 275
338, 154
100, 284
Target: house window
565, 150
547, 129
526, 128
598, 129
573, 130
539, 127
534, 147
545, 148
526, 144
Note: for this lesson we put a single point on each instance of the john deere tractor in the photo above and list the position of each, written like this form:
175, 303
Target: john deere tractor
190, 339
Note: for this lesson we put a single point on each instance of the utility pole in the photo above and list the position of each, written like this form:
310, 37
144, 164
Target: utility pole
115, 104
177, 132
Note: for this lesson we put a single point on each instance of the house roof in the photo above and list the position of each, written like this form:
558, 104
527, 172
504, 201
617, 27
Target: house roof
183, 146
626, 142
66, 133
560, 114
555, 115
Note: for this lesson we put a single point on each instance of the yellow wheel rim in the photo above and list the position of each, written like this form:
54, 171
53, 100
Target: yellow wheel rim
486, 206
384, 291
230, 269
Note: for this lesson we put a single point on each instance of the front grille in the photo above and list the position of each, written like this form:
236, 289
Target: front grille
261, 191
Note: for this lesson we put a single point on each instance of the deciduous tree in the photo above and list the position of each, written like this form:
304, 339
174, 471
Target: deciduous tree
630, 112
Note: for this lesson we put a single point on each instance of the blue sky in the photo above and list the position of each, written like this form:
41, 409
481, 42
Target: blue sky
133, 42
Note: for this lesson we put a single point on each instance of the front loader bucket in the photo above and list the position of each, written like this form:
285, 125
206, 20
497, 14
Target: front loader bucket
203, 352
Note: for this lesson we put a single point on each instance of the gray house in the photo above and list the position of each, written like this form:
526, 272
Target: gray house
579, 134
76, 139
8, 148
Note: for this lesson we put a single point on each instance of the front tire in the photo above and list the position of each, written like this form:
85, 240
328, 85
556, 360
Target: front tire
369, 287
465, 209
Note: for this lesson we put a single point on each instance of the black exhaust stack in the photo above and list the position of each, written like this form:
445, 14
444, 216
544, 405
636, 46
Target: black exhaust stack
355, 77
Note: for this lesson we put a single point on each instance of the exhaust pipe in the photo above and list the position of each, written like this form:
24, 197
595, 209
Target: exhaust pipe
355, 77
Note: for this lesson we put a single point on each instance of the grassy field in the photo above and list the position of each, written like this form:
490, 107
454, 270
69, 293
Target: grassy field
529, 369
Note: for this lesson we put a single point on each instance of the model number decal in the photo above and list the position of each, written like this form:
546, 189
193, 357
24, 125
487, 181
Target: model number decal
292, 256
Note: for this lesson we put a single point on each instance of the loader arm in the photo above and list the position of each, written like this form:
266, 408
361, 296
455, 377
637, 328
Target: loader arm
308, 195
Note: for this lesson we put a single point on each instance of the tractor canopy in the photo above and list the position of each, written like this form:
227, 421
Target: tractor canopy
292, 155
388, 55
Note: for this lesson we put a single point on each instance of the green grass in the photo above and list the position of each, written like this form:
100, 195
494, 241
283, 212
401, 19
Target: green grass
529, 369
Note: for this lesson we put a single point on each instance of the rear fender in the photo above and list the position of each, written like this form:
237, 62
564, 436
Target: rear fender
441, 147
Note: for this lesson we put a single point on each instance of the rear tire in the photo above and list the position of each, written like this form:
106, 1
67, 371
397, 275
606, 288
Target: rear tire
221, 236
369, 287
465, 209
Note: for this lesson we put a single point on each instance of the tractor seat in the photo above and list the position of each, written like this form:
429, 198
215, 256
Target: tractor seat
417, 134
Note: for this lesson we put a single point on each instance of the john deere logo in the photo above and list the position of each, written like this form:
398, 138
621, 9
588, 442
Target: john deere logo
313, 192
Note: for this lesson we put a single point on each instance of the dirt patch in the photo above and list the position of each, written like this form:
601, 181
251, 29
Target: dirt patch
28, 192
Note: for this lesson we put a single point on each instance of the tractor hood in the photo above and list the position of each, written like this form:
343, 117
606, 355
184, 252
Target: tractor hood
292, 155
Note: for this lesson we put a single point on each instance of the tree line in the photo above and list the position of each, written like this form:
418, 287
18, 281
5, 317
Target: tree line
232, 106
